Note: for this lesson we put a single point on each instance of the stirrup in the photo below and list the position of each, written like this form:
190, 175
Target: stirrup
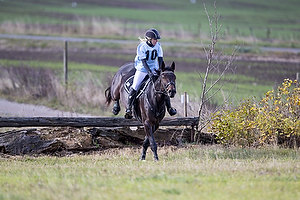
172, 111
128, 113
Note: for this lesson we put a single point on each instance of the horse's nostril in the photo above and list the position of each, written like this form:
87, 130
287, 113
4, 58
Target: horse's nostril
172, 93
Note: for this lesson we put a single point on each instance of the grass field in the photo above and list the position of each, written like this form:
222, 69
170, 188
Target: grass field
193, 172
256, 22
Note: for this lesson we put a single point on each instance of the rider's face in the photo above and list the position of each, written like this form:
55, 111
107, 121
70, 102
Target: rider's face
154, 41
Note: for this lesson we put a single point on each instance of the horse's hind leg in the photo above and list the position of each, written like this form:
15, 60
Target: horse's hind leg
116, 109
146, 144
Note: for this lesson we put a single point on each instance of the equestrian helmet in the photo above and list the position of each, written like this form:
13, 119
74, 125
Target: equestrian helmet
152, 34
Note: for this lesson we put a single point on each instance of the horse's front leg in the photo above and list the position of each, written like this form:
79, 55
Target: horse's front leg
149, 129
146, 144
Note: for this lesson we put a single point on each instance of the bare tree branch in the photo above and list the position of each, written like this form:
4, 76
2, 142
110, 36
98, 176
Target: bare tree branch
218, 65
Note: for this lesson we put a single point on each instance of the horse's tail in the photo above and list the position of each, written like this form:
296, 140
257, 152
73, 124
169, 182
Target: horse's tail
108, 96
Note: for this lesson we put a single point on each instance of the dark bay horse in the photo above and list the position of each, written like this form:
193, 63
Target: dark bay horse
149, 107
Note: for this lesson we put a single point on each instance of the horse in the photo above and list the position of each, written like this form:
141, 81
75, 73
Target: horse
149, 107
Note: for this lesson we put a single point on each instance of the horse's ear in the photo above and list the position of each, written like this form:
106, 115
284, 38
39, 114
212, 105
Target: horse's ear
163, 66
173, 66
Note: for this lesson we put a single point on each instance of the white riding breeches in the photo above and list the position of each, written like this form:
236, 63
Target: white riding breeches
138, 78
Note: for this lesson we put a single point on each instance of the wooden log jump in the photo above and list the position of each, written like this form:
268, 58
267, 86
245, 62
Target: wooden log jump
90, 121
93, 122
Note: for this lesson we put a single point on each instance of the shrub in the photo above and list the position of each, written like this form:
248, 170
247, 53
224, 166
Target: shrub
274, 120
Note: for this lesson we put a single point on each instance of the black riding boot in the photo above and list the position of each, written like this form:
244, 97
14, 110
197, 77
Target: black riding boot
171, 111
131, 98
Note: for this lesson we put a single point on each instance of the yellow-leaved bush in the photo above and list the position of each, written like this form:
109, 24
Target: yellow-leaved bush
274, 120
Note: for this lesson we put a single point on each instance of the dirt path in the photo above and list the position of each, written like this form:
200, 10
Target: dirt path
8, 108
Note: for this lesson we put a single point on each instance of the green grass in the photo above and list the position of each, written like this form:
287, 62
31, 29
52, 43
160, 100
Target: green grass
259, 19
196, 172
57, 65
241, 86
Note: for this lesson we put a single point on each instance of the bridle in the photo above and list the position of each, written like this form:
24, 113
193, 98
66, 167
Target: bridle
164, 91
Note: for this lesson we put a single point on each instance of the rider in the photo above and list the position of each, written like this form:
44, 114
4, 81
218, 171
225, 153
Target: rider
149, 57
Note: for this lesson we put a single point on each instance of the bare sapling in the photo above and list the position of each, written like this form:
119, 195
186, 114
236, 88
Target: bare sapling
218, 65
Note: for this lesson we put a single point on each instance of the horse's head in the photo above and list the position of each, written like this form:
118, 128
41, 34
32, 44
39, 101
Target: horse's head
168, 79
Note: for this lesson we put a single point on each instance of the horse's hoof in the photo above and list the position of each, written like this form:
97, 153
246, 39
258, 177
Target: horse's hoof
172, 111
116, 110
143, 158
128, 116
156, 159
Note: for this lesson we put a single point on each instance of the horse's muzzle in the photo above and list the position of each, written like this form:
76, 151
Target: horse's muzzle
171, 89
171, 93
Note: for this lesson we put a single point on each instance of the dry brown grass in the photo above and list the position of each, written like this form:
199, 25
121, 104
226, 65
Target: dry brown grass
84, 94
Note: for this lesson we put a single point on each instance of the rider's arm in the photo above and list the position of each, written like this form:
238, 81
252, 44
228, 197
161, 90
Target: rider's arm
146, 66
160, 60
150, 73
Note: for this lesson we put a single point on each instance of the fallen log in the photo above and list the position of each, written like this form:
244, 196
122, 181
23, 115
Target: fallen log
89, 121
27, 142
65, 140
73, 138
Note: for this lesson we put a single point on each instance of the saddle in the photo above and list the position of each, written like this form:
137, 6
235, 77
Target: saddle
140, 91
142, 87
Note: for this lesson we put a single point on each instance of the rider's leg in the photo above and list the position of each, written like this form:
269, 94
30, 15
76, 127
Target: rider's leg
138, 78
131, 98
171, 111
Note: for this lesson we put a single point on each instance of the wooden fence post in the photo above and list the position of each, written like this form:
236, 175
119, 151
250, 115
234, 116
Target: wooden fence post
185, 100
185, 104
66, 64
